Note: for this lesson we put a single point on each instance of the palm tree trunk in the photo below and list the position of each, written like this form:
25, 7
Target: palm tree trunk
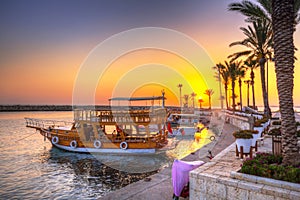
226, 96
252, 83
233, 95
241, 99
248, 94
220, 89
267, 110
282, 21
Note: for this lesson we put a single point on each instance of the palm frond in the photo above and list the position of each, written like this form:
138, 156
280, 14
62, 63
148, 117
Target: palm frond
250, 10
266, 5
296, 12
239, 54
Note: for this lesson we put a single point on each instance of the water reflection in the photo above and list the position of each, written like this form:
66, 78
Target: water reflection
31, 168
90, 171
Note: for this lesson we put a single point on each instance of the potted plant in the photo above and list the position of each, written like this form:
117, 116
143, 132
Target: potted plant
255, 135
243, 138
258, 126
276, 123
275, 132
265, 122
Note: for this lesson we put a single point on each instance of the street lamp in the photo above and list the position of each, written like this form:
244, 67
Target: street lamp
180, 98
163, 97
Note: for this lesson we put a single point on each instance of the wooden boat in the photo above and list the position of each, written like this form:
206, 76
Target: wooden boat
106, 131
183, 124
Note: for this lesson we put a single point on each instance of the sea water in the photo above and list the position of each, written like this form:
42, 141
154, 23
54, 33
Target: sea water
30, 168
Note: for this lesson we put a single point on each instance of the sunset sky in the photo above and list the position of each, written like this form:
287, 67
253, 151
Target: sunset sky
46, 45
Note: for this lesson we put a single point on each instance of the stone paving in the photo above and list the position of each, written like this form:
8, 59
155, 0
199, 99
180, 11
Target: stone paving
212, 180
160, 186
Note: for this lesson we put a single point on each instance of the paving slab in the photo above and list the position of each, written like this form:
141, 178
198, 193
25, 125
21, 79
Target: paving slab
160, 186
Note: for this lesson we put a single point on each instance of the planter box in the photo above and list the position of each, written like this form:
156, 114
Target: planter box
245, 143
259, 129
254, 139
265, 125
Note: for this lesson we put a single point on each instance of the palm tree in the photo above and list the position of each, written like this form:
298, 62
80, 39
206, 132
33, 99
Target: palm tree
209, 93
186, 100
252, 64
219, 67
200, 100
262, 10
193, 99
241, 74
248, 82
223, 69
282, 22
233, 70
259, 43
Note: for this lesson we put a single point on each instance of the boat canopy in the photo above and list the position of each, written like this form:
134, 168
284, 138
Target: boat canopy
137, 98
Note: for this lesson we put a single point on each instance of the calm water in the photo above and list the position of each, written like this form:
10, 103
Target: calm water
31, 168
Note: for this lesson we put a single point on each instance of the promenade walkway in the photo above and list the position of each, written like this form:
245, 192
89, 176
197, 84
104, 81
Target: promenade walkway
160, 186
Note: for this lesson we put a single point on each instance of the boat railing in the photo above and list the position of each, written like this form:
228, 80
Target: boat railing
120, 116
42, 123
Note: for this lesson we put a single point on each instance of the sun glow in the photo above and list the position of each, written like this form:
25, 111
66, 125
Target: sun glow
146, 72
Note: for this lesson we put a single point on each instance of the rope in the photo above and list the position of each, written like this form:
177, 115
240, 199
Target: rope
25, 137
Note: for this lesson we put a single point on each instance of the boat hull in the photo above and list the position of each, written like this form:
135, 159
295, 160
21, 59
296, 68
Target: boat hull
106, 147
106, 131
113, 151
184, 131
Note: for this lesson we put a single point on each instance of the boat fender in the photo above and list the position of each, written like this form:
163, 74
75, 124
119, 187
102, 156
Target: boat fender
54, 140
73, 144
123, 145
97, 144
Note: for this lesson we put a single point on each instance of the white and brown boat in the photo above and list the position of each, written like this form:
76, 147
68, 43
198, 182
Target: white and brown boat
106, 131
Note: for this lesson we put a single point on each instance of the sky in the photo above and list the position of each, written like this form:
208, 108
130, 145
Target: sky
47, 49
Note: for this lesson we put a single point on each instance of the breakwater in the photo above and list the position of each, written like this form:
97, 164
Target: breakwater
24, 108
21, 108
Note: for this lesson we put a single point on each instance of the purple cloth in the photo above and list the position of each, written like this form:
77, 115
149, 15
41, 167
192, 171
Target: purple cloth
180, 174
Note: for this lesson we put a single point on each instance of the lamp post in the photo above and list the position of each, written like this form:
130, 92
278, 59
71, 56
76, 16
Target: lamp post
180, 98
163, 98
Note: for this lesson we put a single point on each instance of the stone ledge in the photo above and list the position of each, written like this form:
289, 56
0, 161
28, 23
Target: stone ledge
218, 179
266, 181
222, 187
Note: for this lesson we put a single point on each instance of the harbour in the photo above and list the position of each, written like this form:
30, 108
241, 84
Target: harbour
32, 168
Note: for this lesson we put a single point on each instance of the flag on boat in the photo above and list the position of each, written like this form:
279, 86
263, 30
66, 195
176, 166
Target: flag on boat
169, 128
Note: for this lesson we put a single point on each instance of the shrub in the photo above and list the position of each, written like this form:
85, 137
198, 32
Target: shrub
270, 166
257, 123
275, 132
264, 120
275, 118
298, 133
297, 123
276, 123
245, 134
